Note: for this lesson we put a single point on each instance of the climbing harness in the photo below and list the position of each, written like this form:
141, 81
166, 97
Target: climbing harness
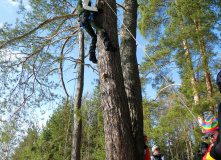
85, 20
157, 68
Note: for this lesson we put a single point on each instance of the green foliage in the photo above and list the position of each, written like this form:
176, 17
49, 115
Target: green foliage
171, 127
53, 142
33, 51
29, 146
93, 144
182, 37
188, 25
48, 143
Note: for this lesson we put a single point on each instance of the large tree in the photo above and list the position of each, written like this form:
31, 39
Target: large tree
128, 50
117, 123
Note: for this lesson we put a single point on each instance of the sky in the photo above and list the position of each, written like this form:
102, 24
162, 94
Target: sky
8, 14
8, 9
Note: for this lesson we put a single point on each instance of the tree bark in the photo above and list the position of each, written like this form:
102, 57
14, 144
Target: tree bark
117, 123
206, 66
76, 144
190, 144
131, 73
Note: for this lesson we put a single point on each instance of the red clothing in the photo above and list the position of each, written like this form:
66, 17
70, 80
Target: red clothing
147, 154
207, 155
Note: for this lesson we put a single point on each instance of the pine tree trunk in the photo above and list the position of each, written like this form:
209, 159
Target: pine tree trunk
196, 96
117, 124
192, 76
191, 147
131, 73
76, 144
206, 66
170, 150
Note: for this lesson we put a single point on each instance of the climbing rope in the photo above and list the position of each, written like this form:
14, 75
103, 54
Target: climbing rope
157, 68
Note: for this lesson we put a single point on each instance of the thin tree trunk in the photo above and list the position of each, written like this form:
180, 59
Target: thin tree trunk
191, 148
192, 127
170, 150
131, 73
117, 124
187, 150
76, 144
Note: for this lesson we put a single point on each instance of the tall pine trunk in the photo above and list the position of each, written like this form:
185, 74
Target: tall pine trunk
131, 73
117, 123
76, 144
205, 64
196, 96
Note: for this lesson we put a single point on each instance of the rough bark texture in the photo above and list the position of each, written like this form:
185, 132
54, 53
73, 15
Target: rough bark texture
117, 124
131, 73
76, 144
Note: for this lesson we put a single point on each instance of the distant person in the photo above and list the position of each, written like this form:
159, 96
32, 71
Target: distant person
156, 155
203, 149
146, 148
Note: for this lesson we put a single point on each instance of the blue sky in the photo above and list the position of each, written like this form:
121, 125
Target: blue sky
8, 14
8, 10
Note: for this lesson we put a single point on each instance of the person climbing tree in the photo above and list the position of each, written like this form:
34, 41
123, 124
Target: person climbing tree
211, 127
86, 17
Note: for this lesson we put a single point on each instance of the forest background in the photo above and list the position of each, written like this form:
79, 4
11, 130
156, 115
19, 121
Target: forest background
182, 37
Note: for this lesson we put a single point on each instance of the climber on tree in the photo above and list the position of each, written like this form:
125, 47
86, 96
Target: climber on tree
86, 15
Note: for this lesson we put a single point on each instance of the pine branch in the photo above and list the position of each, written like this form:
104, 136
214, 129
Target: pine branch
36, 28
157, 68
164, 89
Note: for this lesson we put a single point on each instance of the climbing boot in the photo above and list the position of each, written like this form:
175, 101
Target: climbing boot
93, 58
92, 54
107, 43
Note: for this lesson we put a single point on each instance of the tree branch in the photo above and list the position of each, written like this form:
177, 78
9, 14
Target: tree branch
36, 28
166, 88
120, 5
61, 32
157, 69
